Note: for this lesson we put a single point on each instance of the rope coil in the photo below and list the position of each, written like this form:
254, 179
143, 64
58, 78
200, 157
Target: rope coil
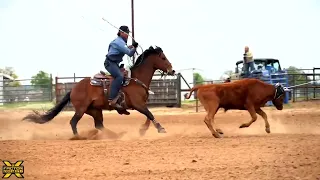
123, 32
128, 58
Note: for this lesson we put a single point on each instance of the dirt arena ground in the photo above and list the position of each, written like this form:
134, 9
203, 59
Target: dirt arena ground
187, 151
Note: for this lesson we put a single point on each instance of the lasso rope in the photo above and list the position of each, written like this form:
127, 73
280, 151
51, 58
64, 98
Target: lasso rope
317, 81
128, 58
126, 34
132, 38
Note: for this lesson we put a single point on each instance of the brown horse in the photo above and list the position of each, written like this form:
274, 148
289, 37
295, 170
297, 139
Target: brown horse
89, 96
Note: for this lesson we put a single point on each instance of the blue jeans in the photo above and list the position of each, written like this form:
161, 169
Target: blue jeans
114, 70
249, 65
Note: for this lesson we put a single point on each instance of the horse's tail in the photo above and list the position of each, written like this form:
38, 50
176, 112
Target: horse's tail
188, 95
50, 114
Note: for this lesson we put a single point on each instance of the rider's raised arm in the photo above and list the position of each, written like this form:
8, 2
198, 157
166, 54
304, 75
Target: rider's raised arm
122, 47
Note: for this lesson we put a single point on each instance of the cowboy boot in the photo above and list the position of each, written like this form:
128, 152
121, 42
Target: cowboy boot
123, 112
115, 104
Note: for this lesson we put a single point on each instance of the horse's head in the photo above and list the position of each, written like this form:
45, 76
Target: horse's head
160, 61
157, 59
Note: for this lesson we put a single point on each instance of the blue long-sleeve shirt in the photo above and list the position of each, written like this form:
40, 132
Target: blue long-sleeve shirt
117, 49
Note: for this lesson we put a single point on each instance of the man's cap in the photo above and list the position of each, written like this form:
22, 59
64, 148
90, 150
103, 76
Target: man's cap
125, 29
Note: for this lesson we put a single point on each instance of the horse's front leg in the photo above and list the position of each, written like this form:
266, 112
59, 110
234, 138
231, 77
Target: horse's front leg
144, 110
144, 127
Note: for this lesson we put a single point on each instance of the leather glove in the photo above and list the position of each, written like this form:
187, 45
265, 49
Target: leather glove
135, 44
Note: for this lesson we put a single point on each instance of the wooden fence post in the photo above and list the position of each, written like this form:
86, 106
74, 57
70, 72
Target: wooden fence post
50, 87
56, 87
178, 84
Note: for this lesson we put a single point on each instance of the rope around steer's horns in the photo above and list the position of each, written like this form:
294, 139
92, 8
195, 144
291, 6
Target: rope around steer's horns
123, 32
289, 88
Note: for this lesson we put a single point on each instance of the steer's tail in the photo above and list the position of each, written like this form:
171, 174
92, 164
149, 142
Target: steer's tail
50, 114
188, 95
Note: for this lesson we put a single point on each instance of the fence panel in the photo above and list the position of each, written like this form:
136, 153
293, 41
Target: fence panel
15, 91
304, 86
167, 91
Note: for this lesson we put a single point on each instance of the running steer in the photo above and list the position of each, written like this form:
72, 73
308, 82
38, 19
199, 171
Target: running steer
245, 94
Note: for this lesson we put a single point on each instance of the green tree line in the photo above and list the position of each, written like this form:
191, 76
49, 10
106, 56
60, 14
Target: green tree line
41, 79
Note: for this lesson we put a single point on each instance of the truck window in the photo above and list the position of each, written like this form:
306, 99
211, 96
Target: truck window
276, 66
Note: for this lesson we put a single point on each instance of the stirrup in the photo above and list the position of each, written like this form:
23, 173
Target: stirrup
115, 104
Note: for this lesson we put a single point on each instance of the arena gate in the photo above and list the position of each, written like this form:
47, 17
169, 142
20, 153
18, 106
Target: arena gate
306, 87
167, 92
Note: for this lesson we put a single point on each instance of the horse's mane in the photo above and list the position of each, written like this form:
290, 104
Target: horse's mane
142, 57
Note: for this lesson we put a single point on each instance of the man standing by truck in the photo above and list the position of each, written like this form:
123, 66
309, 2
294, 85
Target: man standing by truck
248, 61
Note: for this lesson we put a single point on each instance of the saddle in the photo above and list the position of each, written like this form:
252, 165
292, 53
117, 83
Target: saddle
104, 80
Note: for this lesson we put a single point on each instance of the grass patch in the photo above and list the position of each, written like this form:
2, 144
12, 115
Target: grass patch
187, 101
28, 105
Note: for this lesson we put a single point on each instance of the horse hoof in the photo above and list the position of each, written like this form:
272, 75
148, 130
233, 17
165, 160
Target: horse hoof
268, 130
162, 130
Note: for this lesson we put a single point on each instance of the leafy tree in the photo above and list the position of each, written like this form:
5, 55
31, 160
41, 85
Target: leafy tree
197, 78
10, 71
297, 76
293, 70
42, 79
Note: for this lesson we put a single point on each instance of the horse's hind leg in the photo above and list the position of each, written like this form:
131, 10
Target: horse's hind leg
97, 117
80, 108
98, 123
74, 121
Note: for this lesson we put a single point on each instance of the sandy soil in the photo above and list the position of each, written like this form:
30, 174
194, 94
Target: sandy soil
187, 151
